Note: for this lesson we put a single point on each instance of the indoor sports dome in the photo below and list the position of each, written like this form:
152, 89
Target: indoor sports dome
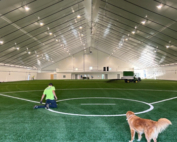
96, 60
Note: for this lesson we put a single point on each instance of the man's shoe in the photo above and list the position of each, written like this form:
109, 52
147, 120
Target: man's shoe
47, 106
35, 107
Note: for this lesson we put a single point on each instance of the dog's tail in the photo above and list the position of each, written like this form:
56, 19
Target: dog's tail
162, 124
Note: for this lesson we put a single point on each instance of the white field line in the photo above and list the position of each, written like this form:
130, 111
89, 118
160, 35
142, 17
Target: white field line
151, 107
98, 89
92, 104
115, 115
19, 98
164, 100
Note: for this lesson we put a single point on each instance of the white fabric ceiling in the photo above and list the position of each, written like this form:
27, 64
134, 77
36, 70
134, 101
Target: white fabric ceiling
135, 31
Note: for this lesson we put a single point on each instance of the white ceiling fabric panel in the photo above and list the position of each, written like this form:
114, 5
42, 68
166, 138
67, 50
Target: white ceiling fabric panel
38, 33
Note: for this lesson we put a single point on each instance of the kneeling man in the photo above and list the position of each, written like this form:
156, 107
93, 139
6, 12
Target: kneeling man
51, 98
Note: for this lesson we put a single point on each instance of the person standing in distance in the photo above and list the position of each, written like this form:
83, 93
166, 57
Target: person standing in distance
51, 98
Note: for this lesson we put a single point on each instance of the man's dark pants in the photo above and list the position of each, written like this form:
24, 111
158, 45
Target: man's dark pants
52, 104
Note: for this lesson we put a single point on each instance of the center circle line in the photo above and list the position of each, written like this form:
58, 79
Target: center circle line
91, 115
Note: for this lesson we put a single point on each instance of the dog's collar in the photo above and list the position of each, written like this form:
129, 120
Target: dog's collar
129, 117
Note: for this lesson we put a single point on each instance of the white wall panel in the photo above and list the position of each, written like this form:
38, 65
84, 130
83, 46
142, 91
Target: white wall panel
16, 74
163, 72
43, 76
61, 75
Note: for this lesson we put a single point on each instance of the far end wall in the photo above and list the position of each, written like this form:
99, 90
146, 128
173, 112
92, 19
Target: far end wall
77, 75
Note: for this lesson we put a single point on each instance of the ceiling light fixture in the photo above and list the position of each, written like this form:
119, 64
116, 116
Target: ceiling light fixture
133, 32
50, 33
41, 24
56, 40
17, 48
27, 8
126, 39
78, 16
160, 6
29, 52
1, 42
80, 27
143, 22
167, 46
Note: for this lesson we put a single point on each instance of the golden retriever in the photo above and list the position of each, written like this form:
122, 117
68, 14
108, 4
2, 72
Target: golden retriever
149, 127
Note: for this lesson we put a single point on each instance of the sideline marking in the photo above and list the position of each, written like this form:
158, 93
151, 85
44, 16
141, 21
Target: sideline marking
164, 100
92, 104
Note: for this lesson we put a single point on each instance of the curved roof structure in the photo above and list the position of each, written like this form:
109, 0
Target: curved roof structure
37, 33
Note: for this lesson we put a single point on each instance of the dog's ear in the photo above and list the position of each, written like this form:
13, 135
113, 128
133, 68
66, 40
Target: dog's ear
129, 113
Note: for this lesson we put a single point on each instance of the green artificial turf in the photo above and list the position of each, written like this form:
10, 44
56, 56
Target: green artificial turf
19, 122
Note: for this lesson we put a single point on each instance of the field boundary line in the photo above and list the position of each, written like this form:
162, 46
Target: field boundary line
97, 89
163, 100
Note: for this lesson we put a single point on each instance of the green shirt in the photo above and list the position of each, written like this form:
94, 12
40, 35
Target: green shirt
49, 92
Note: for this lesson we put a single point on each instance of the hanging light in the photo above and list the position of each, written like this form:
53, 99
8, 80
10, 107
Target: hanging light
80, 27
50, 33
1, 42
133, 32
160, 6
41, 24
78, 16
17, 48
143, 22
27, 8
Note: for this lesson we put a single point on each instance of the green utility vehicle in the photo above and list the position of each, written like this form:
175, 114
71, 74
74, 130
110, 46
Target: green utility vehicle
129, 76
